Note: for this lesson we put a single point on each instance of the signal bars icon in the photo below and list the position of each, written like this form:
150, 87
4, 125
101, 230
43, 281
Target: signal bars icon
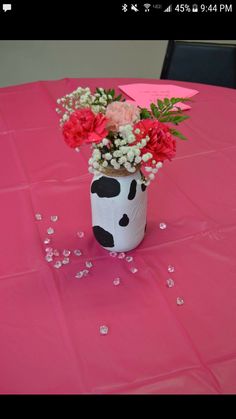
168, 9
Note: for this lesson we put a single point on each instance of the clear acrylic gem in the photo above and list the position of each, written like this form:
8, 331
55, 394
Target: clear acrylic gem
48, 249
103, 330
80, 234
47, 240
170, 282
77, 252
121, 255
56, 252
66, 253
50, 254
85, 272
171, 268
116, 281
58, 264
180, 301
38, 217
48, 258
77, 149
113, 254
88, 264
133, 270
54, 218
50, 230
65, 261
129, 258
79, 275
162, 226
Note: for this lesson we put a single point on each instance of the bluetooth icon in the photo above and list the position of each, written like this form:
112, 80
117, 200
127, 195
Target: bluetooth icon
124, 7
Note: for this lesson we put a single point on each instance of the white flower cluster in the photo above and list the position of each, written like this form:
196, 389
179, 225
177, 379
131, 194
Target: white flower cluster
120, 153
152, 171
82, 98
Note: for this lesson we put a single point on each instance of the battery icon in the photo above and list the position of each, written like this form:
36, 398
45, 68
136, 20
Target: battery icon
195, 8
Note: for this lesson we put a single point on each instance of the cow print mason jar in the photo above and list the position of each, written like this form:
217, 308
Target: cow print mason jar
119, 207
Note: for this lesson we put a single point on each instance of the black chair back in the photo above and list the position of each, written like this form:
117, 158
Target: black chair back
200, 62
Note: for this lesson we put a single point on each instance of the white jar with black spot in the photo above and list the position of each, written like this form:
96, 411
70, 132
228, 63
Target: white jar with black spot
119, 208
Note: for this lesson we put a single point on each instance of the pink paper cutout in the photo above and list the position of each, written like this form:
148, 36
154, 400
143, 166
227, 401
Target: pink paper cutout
144, 94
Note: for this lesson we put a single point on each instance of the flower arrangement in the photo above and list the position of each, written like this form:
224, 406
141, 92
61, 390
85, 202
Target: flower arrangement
121, 134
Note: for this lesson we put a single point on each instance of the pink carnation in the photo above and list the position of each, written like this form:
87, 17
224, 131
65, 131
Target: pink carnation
121, 113
84, 126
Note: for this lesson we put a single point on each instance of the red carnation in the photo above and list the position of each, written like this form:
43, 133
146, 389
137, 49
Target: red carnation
161, 144
84, 126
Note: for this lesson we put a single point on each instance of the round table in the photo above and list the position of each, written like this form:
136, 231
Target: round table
50, 320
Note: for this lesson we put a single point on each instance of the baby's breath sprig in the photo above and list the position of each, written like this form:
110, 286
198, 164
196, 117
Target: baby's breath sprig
83, 98
109, 94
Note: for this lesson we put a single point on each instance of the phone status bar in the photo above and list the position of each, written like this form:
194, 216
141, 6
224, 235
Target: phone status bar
180, 8
129, 20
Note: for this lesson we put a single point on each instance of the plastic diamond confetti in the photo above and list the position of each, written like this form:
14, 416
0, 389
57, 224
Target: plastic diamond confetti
48, 249
50, 230
66, 253
77, 252
116, 281
38, 217
180, 301
113, 254
162, 226
79, 275
170, 282
50, 254
47, 240
58, 264
85, 272
88, 264
65, 261
54, 218
129, 258
103, 330
80, 234
56, 252
133, 270
121, 255
77, 149
48, 258
170, 268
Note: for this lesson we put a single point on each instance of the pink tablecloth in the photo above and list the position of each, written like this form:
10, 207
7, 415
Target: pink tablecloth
49, 320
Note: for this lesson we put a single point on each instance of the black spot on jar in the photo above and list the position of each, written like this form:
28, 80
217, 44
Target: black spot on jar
132, 190
124, 221
106, 187
103, 237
